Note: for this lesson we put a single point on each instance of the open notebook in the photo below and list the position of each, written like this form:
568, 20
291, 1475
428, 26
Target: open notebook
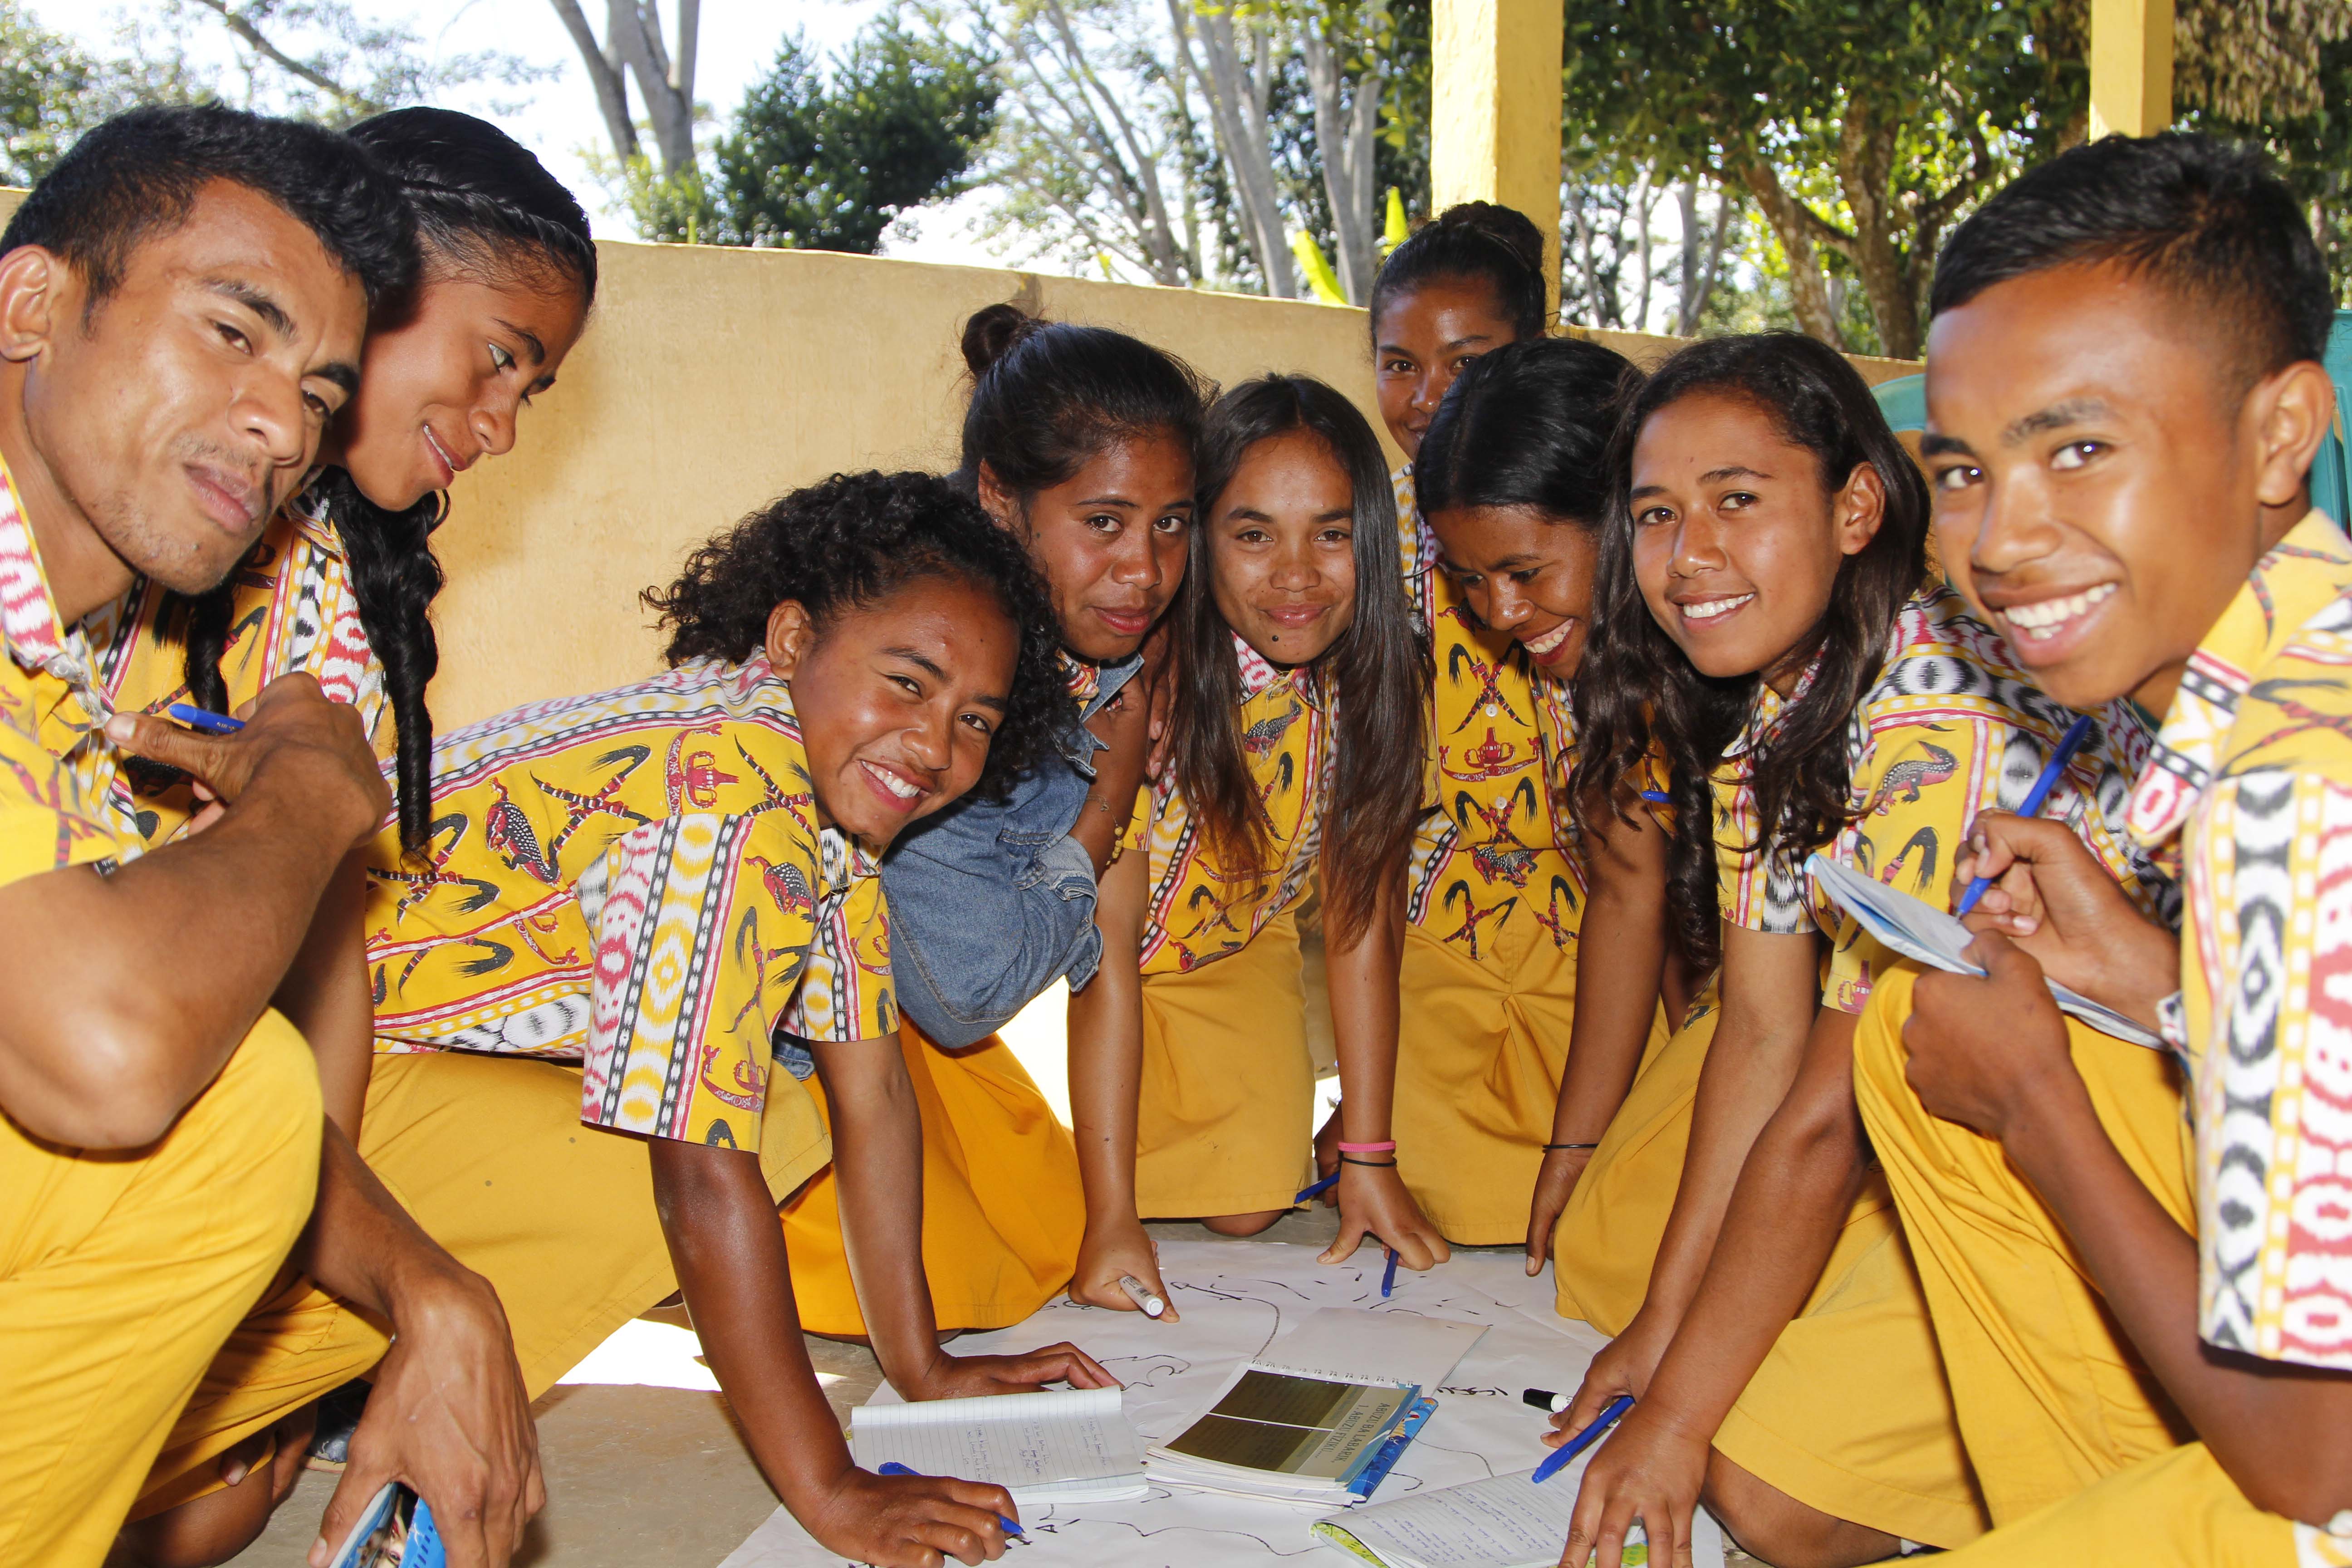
1918, 929
1061, 1446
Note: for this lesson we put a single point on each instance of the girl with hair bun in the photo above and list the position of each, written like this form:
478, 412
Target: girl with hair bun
1078, 442
1296, 750
1765, 621
1494, 894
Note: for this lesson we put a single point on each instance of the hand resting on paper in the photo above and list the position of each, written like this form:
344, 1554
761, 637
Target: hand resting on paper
966, 1376
1648, 1469
2053, 899
1110, 1251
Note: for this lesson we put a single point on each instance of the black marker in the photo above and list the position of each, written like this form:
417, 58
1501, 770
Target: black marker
1544, 1399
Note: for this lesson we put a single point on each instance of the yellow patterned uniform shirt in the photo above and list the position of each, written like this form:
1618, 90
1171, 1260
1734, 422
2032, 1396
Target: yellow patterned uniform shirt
1199, 912
1492, 847
56, 765
293, 610
2252, 782
1952, 726
634, 880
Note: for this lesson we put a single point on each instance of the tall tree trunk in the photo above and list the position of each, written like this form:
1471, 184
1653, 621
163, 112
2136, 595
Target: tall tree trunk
1345, 139
1699, 280
1866, 178
1797, 227
604, 75
634, 27
1239, 109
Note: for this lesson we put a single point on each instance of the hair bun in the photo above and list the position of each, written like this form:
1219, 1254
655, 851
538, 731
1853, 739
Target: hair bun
1507, 226
993, 331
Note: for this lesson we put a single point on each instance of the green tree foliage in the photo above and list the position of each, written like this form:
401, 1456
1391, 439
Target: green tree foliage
814, 163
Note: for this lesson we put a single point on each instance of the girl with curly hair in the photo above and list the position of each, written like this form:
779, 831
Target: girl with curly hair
1296, 749
1765, 620
624, 898
1078, 442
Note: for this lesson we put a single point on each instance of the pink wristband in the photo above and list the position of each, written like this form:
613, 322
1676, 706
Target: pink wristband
1387, 1148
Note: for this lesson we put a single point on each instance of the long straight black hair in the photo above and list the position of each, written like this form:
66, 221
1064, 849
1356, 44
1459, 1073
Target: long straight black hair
1378, 669
484, 206
1637, 686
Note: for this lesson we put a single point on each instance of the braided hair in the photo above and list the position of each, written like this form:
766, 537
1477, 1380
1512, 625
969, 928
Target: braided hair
848, 542
485, 206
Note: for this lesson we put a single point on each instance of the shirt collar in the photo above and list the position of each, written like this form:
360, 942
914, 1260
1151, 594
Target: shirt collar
2301, 574
1081, 680
1259, 676
1766, 713
37, 640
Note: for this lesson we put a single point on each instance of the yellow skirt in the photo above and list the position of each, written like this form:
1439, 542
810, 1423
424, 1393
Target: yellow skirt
1608, 1235
1224, 1123
1481, 1045
489, 1155
2179, 1509
1003, 1208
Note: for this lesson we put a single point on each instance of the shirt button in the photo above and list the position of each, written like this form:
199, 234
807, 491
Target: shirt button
1490, 710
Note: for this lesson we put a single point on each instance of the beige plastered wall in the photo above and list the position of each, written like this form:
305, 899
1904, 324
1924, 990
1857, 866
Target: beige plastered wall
711, 380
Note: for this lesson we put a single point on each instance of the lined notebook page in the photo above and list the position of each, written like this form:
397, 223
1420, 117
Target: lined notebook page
1016, 1440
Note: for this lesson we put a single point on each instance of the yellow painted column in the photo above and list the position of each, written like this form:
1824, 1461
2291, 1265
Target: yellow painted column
2131, 67
1495, 110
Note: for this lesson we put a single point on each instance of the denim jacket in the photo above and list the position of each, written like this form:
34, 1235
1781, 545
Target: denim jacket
991, 903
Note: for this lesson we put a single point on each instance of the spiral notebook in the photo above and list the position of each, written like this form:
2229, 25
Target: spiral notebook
1058, 1445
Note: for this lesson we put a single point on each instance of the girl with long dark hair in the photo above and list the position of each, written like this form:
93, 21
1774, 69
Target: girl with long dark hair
1765, 621
1513, 483
1296, 746
1078, 442
1495, 893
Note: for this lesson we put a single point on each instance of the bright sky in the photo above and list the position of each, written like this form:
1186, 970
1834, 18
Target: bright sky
557, 118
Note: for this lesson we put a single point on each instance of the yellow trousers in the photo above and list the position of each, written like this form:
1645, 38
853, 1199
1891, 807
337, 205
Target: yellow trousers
1003, 1208
121, 1274
2081, 1457
1481, 1045
1223, 1123
1882, 1449
489, 1154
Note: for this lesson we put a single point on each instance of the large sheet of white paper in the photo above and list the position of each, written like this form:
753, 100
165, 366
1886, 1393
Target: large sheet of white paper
1235, 1300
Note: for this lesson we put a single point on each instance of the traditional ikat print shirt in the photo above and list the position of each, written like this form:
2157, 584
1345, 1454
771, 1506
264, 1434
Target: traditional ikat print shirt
1953, 725
2252, 782
1198, 912
1492, 847
57, 766
293, 610
635, 881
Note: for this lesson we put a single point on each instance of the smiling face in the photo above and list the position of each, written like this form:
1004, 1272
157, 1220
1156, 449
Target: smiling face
898, 700
1110, 540
2098, 497
1738, 539
1282, 548
162, 430
447, 378
1527, 574
1421, 343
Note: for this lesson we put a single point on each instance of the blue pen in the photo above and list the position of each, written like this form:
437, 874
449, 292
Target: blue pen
2068, 744
198, 719
1659, 795
893, 1467
1388, 1276
1318, 1189
1568, 1451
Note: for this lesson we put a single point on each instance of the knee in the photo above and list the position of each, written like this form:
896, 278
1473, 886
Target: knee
1243, 1223
198, 1533
1770, 1525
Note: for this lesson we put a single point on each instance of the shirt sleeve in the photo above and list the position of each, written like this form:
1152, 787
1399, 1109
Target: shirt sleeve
46, 823
2269, 974
1754, 890
1920, 786
695, 958
845, 993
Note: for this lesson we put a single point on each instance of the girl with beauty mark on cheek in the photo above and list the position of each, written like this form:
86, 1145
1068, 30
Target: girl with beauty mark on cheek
1296, 746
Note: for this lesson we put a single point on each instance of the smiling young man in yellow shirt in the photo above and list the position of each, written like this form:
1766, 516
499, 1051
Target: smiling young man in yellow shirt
2146, 1354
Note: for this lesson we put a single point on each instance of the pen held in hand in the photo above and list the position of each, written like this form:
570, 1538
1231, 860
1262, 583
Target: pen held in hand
1566, 1452
1150, 1305
1544, 1399
1387, 1275
2068, 744
203, 720
893, 1467
1307, 1193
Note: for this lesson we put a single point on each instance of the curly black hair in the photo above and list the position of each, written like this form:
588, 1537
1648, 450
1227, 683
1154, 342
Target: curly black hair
849, 540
